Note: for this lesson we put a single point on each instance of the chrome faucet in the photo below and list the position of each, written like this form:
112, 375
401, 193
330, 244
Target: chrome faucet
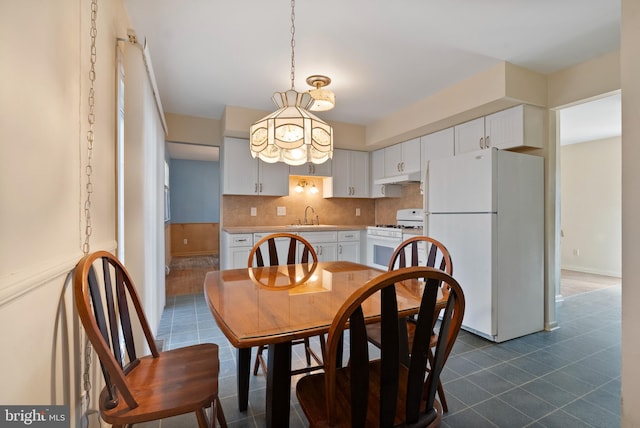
313, 212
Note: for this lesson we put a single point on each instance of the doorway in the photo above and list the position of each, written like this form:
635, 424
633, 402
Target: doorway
590, 171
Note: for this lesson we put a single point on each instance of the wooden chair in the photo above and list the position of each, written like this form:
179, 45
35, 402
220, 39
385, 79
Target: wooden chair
140, 388
385, 392
265, 253
418, 251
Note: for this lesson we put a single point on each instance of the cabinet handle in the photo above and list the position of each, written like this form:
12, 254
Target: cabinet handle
260, 187
402, 165
487, 142
481, 143
242, 240
339, 249
255, 188
382, 189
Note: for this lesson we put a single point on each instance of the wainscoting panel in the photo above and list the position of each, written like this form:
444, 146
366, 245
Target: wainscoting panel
190, 239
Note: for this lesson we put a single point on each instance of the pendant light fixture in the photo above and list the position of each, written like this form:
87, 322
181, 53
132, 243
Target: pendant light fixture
291, 134
323, 99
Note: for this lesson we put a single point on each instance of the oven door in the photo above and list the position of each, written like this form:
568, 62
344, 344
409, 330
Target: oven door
380, 249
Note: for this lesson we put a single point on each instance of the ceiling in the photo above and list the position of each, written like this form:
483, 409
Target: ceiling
381, 55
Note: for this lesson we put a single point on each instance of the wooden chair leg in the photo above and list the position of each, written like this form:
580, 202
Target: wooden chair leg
202, 418
220, 414
259, 361
443, 400
307, 347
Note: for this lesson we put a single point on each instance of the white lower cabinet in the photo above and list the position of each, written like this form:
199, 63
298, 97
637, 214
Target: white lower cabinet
349, 248
325, 243
235, 250
330, 245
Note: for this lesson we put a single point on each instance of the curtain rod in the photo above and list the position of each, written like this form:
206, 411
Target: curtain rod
146, 57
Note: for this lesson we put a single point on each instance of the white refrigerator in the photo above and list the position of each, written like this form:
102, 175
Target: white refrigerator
487, 208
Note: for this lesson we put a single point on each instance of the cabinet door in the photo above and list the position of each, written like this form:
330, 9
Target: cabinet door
327, 251
359, 174
377, 164
437, 145
410, 156
377, 171
469, 136
274, 179
515, 127
341, 183
237, 257
240, 176
504, 129
392, 160
349, 251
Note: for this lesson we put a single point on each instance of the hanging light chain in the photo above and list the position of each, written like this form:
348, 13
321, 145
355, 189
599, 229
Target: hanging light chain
91, 118
293, 43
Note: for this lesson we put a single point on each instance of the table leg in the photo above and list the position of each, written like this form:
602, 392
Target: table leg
243, 375
278, 385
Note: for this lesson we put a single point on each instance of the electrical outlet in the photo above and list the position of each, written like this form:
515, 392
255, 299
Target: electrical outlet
281, 211
576, 252
185, 241
357, 212
254, 212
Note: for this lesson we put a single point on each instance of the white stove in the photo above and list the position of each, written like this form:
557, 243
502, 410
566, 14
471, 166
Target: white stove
382, 240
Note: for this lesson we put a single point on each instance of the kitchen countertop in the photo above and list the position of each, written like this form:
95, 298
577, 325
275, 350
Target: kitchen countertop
294, 228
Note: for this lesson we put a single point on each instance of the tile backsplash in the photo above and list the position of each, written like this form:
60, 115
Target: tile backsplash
236, 210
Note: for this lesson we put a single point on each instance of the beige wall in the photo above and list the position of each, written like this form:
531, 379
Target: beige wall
194, 130
43, 128
630, 70
591, 207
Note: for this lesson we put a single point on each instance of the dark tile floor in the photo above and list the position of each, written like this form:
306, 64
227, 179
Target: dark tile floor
569, 377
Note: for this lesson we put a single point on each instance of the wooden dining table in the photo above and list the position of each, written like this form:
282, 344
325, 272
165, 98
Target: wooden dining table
277, 304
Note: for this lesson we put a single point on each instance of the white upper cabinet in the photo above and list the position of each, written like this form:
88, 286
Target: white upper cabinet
469, 136
520, 126
377, 171
402, 158
312, 169
436, 145
244, 175
350, 175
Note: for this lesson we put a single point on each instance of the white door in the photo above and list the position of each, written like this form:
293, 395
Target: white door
472, 245
462, 183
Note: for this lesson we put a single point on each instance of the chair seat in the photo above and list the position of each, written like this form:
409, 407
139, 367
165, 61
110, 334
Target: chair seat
176, 382
310, 391
374, 332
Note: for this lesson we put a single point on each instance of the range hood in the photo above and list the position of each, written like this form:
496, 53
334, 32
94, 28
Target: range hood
402, 178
